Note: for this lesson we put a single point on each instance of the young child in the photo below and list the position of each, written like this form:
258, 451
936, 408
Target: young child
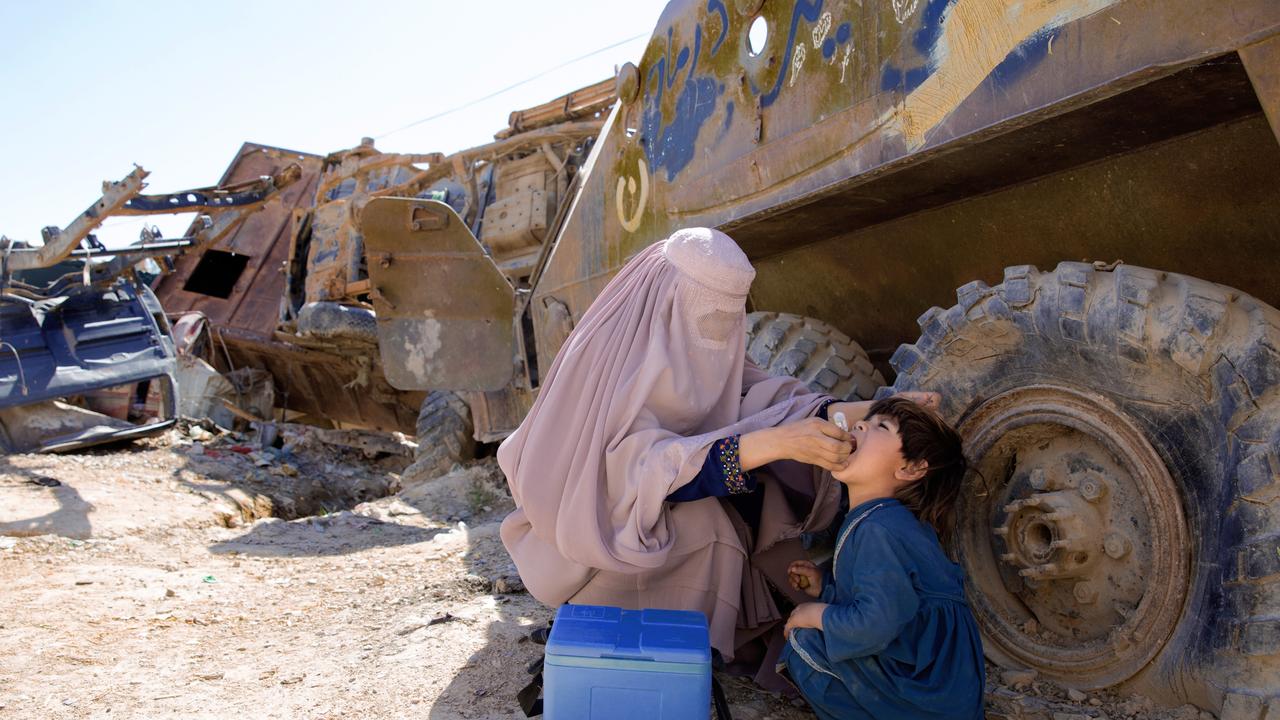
891, 636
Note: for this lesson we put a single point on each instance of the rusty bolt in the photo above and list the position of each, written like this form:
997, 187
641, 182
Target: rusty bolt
1121, 641
1040, 571
1085, 593
627, 84
1038, 480
1116, 545
1092, 489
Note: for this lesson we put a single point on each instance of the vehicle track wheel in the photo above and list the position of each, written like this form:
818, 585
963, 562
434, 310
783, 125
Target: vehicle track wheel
332, 321
445, 437
1123, 522
824, 358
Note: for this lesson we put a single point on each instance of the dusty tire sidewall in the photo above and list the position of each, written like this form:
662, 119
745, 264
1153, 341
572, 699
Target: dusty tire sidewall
976, 351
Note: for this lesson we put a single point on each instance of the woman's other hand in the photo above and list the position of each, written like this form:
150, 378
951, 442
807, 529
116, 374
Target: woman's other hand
805, 576
812, 441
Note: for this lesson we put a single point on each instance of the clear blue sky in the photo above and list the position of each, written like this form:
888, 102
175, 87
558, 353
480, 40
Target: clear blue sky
90, 88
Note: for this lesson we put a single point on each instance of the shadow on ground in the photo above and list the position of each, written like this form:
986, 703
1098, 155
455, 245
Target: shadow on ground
70, 519
336, 534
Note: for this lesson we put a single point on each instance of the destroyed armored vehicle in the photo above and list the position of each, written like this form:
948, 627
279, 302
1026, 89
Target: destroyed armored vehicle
86, 353
289, 292
1101, 181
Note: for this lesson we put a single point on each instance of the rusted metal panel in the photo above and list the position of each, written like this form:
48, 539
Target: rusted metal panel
347, 387
334, 243
253, 304
445, 311
845, 95
324, 384
1263, 62
497, 414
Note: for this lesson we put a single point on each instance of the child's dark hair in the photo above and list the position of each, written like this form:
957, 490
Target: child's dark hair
926, 436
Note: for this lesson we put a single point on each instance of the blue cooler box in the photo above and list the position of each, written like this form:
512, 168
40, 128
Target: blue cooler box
606, 662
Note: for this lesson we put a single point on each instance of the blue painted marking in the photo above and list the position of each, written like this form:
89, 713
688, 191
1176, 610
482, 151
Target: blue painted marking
671, 147
1021, 61
809, 11
728, 114
843, 33
1009, 71
930, 26
923, 40
828, 48
718, 6
892, 78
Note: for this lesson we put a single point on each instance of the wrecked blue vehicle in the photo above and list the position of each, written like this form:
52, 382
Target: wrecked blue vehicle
86, 353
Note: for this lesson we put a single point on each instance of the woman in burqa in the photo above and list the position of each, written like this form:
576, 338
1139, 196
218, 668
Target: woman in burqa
651, 414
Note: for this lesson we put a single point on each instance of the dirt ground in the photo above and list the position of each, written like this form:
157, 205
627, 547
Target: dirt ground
192, 576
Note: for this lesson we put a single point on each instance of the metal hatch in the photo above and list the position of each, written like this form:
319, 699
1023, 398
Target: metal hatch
445, 312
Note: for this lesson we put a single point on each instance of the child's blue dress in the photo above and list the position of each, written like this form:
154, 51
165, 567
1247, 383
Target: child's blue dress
898, 639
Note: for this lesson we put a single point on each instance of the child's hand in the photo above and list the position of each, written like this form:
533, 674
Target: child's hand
806, 615
805, 576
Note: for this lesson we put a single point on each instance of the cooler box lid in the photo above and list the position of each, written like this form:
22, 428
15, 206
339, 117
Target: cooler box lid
676, 636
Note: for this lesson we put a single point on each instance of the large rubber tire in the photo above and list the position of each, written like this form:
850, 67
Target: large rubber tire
1195, 368
332, 321
813, 352
445, 437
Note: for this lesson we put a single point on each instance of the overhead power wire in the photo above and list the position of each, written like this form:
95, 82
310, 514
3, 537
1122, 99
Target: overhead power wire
508, 88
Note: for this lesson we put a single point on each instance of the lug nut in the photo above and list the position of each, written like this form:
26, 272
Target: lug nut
1116, 545
1092, 488
1084, 593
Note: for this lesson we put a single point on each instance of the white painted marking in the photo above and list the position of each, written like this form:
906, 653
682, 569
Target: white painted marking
797, 62
627, 188
820, 32
904, 9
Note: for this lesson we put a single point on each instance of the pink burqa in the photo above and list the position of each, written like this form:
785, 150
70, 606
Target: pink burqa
650, 378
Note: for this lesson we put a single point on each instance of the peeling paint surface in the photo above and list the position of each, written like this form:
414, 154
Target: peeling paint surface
975, 37
421, 342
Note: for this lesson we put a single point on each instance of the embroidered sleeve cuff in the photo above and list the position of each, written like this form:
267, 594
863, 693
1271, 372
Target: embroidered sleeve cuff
736, 481
822, 409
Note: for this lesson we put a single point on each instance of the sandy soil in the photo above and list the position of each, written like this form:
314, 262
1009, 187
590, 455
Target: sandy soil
154, 580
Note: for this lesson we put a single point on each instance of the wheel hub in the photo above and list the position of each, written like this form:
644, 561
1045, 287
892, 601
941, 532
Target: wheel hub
1077, 548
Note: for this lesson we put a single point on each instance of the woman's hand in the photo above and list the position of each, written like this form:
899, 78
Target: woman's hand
806, 615
812, 441
804, 575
